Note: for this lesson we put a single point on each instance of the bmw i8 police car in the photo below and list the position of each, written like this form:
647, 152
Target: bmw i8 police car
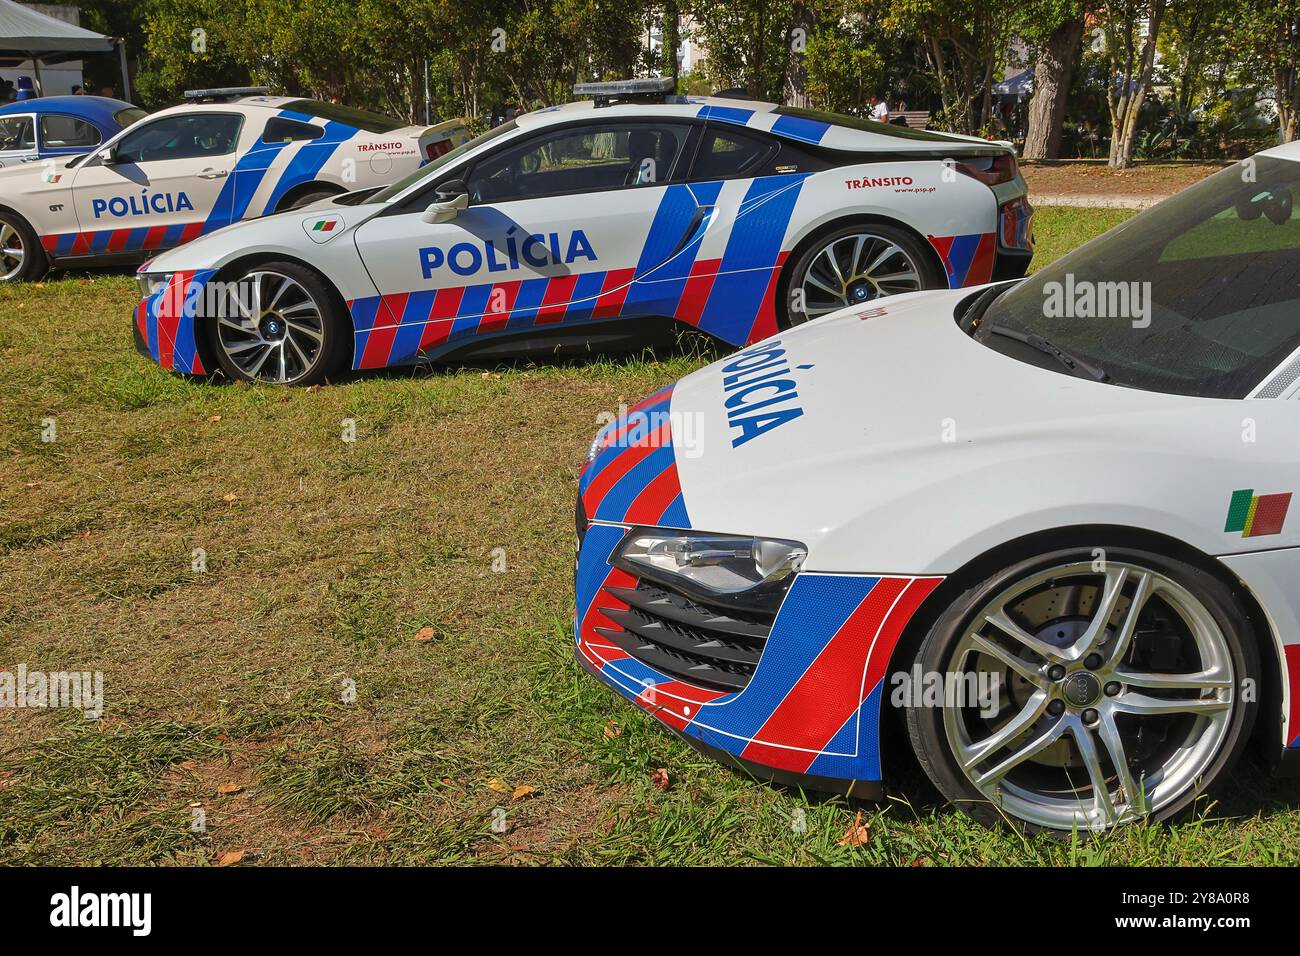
593, 224
223, 156
1042, 530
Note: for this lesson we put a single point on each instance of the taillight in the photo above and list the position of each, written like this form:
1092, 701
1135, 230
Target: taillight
990, 170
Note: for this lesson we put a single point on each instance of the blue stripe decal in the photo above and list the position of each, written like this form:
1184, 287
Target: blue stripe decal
528, 297
752, 250
473, 303
584, 296
640, 422
135, 241
310, 159
613, 507
797, 127
812, 613
597, 546
726, 114
845, 741
64, 246
674, 515
364, 312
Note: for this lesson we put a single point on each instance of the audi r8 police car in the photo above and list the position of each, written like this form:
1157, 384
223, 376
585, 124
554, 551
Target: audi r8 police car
1046, 526
181, 173
594, 224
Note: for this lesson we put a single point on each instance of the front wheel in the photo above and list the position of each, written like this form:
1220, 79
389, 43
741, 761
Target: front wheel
855, 265
1086, 689
279, 324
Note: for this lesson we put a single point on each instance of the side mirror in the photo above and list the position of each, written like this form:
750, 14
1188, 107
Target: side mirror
448, 201
107, 155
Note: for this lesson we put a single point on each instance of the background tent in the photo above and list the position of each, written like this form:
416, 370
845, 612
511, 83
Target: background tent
27, 35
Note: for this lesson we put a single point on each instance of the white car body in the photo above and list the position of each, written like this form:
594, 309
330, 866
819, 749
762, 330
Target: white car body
705, 250
269, 152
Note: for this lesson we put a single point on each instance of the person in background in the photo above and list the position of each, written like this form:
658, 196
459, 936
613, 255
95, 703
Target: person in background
78, 91
109, 92
879, 111
6, 91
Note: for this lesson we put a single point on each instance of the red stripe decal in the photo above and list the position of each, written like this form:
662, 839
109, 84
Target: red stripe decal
829, 691
81, 245
696, 293
648, 507
191, 231
559, 292
154, 237
500, 301
117, 241
1293, 688
620, 466
49, 242
981, 267
612, 294
765, 322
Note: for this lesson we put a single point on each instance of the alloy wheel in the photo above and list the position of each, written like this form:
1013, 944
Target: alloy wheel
271, 328
856, 269
1116, 693
12, 253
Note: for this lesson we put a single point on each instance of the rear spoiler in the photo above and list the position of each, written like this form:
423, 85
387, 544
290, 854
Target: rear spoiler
443, 138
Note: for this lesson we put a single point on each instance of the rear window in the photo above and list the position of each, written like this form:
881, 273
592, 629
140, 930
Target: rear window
728, 153
129, 116
337, 113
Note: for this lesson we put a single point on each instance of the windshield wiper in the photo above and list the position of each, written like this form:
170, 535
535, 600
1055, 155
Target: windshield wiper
1076, 365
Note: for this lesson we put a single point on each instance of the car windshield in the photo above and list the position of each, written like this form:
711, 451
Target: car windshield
1197, 296
410, 179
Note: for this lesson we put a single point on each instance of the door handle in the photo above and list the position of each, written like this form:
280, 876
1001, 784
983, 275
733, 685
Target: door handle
210, 173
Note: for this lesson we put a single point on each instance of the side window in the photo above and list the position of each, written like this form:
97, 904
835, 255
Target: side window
182, 136
281, 130
726, 152
17, 132
59, 131
583, 159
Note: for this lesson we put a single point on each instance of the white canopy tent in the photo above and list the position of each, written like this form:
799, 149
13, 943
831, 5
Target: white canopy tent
27, 35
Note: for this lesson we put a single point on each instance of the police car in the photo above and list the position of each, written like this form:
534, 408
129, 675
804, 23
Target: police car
54, 126
590, 225
1038, 535
184, 172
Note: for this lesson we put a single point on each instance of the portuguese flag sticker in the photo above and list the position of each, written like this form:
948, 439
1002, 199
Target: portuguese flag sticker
323, 228
1256, 515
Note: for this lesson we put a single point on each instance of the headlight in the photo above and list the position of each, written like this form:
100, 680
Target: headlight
753, 573
151, 283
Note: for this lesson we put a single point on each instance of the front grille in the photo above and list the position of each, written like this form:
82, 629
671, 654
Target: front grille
687, 640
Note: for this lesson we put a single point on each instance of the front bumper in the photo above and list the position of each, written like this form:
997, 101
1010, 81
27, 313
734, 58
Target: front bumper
165, 325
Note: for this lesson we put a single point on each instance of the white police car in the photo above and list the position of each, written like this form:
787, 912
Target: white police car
592, 224
222, 156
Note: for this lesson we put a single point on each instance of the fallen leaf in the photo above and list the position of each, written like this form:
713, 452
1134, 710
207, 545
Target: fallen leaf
859, 834
425, 634
226, 789
230, 858
613, 730
214, 418
31, 484
498, 786
85, 534
523, 792
230, 497
660, 779
189, 764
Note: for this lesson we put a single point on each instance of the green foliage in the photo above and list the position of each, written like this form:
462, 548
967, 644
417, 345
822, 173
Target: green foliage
844, 69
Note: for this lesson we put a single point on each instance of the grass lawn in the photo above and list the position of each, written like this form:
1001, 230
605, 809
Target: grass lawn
367, 566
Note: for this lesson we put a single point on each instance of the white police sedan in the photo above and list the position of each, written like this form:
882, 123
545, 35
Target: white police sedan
184, 172
599, 223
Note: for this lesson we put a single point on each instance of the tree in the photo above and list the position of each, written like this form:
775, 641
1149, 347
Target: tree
844, 69
747, 42
1055, 29
1267, 33
1130, 30
964, 41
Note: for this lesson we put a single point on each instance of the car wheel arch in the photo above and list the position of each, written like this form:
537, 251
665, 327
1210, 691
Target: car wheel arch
322, 186
249, 261
824, 227
895, 748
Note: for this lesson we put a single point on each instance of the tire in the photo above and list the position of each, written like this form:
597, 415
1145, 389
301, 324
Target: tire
298, 337
1058, 731
844, 267
307, 198
22, 259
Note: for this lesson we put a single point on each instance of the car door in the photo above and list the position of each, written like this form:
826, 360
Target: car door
161, 186
17, 138
574, 223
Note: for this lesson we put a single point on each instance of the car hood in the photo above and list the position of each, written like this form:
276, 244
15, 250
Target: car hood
877, 428
285, 233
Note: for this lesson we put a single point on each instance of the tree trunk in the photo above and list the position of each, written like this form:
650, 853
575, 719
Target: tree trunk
1124, 129
1052, 73
796, 64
